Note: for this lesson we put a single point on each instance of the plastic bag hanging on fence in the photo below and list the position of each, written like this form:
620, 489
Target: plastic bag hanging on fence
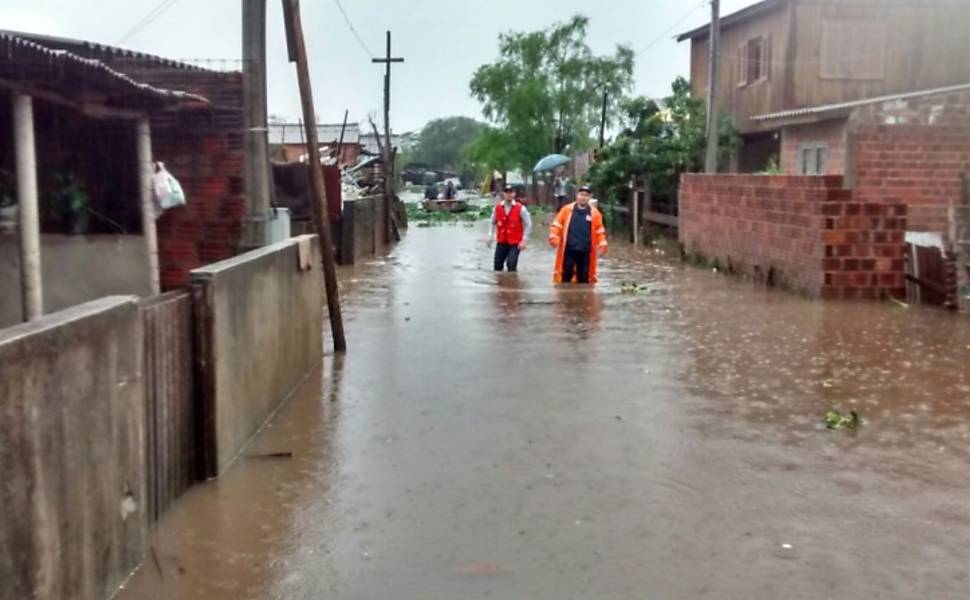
168, 190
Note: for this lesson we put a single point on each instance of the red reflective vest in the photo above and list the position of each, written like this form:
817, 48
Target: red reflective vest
509, 226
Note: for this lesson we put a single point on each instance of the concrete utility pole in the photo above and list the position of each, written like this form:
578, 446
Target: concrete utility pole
710, 161
297, 51
388, 151
143, 133
31, 286
257, 167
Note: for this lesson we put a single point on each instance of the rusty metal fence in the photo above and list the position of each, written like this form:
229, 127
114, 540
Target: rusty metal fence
171, 428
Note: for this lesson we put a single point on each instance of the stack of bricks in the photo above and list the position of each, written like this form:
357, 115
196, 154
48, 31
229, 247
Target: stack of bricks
865, 245
798, 232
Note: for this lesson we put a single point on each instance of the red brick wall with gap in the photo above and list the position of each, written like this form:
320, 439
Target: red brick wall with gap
812, 235
915, 152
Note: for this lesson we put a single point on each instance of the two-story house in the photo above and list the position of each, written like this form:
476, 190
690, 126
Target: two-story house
792, 71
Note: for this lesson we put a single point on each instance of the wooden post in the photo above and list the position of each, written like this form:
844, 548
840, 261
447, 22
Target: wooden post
340, 142
291, 8
635, 211
31, 286
148, 216
603, 121
713, 40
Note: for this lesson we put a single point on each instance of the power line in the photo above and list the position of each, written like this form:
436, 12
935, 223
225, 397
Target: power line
153, 14
353, 29
667, 31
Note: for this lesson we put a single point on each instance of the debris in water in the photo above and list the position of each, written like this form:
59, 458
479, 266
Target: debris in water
271, 455
632, 287
836, 420
899, 302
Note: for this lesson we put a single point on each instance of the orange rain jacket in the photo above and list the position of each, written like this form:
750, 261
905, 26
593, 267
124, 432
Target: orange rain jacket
560, 229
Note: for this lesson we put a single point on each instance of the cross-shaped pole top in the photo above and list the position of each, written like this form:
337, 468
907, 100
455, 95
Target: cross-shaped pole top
387, 57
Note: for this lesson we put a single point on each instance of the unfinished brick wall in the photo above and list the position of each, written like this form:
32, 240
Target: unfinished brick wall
830, 133
803, 233
914, 151
203, 149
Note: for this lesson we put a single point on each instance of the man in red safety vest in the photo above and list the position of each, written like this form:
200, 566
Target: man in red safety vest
509, 229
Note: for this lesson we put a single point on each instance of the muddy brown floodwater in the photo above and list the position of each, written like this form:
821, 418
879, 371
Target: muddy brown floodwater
494, 437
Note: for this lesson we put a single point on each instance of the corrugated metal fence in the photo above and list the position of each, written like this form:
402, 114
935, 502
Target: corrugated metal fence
171, 429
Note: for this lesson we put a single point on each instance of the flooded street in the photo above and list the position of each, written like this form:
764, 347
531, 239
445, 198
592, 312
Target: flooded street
495, 437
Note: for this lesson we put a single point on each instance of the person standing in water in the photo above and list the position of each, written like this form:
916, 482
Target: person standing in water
509, 228
579, 237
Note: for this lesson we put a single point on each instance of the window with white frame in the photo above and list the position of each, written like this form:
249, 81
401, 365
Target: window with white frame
813, 159
754, 60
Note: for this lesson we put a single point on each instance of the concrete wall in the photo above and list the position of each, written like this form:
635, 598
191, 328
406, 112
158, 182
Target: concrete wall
803, 233
75, 269
260, 332
361, 231
72, 497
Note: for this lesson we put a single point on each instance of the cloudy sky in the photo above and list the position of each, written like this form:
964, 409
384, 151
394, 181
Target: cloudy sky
442, 41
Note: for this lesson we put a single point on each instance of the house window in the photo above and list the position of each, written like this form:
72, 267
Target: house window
813, 159
853, 50
754, 60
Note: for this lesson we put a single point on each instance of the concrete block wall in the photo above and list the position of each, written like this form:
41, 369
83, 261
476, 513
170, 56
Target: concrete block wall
915, 152
806, 234
361, 229
74, 520
260, 332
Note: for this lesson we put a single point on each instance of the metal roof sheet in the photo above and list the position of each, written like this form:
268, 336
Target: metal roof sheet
823, 109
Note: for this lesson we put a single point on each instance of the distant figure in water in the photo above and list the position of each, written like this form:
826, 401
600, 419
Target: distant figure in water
431, 192
449, 191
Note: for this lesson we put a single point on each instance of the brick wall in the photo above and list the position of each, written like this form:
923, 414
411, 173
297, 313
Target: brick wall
830, 133
203, 149
803, 233
914, 151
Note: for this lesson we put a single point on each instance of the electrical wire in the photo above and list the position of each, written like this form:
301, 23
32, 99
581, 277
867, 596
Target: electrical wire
353, 29
667, 31
148, 19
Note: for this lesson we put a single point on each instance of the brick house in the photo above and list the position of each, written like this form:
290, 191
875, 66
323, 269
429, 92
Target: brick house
288, 141
202, 147
874, 93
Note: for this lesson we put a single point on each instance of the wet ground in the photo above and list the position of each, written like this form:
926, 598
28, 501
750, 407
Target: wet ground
494, 437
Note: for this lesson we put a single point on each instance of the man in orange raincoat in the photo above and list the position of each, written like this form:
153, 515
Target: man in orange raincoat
578, 236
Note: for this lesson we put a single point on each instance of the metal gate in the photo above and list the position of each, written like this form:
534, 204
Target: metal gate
171, 431
931, 276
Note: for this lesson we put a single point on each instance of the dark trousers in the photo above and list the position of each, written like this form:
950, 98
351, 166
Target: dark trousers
575, 262
506, 254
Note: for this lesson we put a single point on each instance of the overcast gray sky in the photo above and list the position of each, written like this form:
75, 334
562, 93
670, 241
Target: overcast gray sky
442, 41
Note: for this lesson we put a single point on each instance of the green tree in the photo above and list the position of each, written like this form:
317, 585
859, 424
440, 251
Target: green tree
659, 140
442, 143
544, 93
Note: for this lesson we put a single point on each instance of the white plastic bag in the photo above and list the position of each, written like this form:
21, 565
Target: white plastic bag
168, 190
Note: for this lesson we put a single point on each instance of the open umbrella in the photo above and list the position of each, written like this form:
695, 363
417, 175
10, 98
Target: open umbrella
550, 162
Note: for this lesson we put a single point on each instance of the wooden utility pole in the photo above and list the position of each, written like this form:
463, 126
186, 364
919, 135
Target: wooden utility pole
388, 154
340, 142
297, 51
710, 161
257, 176
603, 120
634, 212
